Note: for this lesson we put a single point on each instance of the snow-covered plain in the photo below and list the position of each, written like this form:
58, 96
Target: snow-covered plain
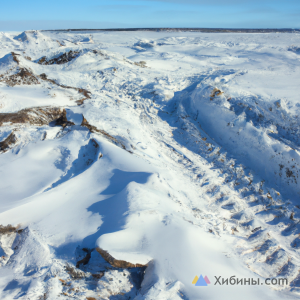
178, 151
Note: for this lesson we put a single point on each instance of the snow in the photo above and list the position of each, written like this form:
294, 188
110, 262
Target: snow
185, 158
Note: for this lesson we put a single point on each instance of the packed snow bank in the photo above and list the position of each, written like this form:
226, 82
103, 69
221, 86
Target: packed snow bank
35, 38
7, 63
249, 131
111, 171
13, 100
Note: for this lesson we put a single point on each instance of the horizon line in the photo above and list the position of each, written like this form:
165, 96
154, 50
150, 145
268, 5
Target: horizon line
197, 29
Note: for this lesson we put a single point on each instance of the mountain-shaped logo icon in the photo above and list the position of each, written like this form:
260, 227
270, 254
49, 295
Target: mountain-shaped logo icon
200, 281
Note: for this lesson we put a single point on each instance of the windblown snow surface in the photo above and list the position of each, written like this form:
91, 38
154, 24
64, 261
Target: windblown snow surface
132, 162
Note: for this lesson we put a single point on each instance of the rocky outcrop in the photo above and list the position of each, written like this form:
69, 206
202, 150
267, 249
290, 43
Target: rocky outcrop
87, 258
118, 263
84, 92
94, 129
36, 116
9, 229
8, 142
63, 121
22, 77
31, 116
215, 93
15, 57
62, 59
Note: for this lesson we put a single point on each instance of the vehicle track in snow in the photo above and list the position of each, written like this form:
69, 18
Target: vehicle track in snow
239, 202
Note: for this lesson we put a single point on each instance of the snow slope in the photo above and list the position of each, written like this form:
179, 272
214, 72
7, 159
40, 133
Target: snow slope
133, 161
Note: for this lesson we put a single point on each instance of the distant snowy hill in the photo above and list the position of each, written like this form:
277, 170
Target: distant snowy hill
132, 163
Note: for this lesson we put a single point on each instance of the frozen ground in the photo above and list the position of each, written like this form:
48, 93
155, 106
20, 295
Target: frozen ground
130, 162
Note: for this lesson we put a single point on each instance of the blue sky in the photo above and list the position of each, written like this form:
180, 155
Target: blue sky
56, 14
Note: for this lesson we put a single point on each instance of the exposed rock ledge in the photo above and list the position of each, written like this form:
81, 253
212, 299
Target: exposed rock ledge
36, 116
118, 263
